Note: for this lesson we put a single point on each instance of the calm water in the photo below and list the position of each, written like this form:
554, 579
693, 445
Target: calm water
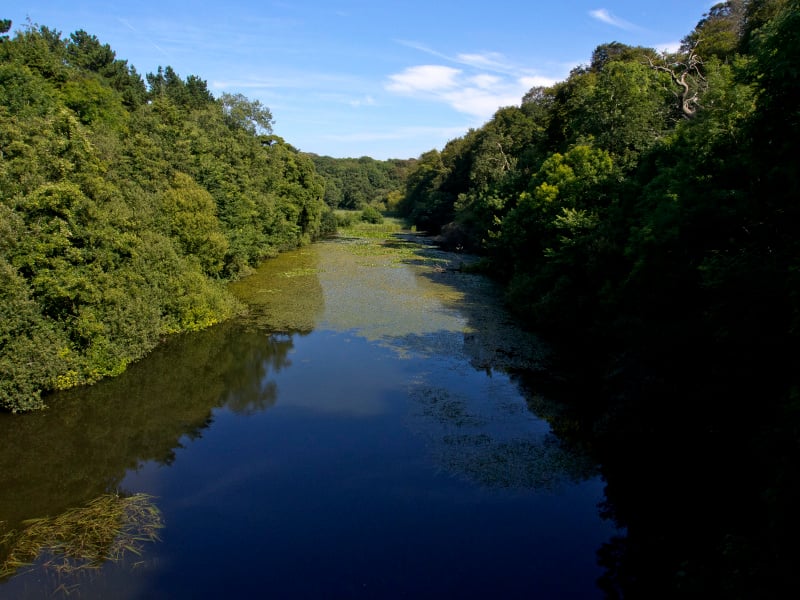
359, 434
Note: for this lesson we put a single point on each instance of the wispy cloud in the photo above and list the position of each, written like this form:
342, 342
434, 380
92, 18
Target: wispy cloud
140, 34
604, 16
494, 62
290, 79
365, 101
400, 133
490, 61
424, 48
482, 83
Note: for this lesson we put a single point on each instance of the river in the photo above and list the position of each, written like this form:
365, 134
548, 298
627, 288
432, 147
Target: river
359, 433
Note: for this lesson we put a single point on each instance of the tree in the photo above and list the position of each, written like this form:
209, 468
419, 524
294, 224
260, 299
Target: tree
192, 219
250, 115
626, 111
547, 240
719, 32
119, 218
686, 74
85, 51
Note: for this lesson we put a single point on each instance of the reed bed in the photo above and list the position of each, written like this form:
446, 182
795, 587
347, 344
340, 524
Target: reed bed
106, 529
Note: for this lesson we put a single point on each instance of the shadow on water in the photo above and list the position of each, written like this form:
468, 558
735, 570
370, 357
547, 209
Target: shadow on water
78, 450
464, 389
82, 446
479, 433
699, 510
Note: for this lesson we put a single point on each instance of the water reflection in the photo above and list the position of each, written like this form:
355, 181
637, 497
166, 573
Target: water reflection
466, 401
84, 443
340, 315
82, 447
482, 434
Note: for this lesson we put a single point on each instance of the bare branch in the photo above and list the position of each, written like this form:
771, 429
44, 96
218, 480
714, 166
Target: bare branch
681, 73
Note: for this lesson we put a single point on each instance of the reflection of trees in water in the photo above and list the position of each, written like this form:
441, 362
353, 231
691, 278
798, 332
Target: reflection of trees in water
495, 339
699, 519
81, 448
83, 445
255, 355
489, 440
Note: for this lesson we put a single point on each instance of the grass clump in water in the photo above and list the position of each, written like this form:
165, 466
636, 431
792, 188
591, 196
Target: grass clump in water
106, 529
363, 229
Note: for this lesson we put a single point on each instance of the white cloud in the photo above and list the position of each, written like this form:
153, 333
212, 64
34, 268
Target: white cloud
669, 47
478, 94
482, 103
365, 101
603, 15
485, 81
423, 78
537, 80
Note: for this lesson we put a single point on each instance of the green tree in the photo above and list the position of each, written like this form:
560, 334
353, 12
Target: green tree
250, 115
121, 218
192, 217
551, 244
719, 32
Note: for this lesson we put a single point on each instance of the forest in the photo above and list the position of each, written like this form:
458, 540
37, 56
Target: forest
126, 203
642, 215
644, 211
355, 183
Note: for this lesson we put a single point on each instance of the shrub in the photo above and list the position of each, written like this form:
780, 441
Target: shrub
370, 214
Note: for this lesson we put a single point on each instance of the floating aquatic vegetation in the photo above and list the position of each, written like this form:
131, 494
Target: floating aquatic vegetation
300, 272
480, 435
106, 529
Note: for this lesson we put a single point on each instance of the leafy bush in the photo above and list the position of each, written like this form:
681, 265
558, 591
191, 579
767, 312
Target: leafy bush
370, 214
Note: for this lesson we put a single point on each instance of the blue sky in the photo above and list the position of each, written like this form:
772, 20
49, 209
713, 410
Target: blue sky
387, 79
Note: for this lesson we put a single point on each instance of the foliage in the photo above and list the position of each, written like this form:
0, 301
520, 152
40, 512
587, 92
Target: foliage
643, 213
353, 183
125, 207
370, 214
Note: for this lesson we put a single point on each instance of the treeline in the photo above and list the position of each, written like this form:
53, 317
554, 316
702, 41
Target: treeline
126, 203
644, 215
648, 202
356, 183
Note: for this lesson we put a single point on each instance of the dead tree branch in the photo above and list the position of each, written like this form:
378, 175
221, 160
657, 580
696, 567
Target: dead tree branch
682, 72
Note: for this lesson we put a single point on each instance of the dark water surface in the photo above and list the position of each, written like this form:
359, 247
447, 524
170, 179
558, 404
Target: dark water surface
359, 434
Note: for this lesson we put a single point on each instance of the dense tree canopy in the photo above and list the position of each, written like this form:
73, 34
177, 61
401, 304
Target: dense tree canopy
644, 214
125, 206
354, 183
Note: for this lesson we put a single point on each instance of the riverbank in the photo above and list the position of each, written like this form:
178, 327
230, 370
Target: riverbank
372, 419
